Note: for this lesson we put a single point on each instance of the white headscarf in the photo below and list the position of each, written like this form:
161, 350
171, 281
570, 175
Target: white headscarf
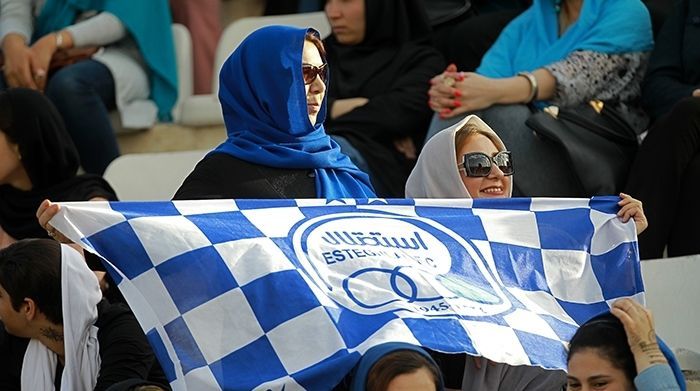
436, 174
80, 293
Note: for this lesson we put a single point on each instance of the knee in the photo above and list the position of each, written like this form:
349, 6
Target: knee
66, 83
506, 119
688, 109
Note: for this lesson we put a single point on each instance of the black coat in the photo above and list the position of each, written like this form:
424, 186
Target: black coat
392, 68
222, 176
674, 67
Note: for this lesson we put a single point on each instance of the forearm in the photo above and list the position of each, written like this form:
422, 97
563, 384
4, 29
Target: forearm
656, 378
341, 107
647, 355
518, 89
385, 117
100, 30
15, 18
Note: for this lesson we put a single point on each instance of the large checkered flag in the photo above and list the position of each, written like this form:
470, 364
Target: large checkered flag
287, 294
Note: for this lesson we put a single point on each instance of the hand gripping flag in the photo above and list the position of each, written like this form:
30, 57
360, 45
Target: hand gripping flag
287, 294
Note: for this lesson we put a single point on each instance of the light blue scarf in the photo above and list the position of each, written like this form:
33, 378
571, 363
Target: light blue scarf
148, 21
532, 39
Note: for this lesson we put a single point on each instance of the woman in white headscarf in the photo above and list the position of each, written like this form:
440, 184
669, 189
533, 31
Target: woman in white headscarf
437, 175
469, 160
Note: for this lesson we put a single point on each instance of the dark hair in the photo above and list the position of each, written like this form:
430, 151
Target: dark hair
399, 363
312, 36
31, 268
607, 336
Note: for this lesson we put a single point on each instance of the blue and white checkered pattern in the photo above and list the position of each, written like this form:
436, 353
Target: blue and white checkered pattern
228, 303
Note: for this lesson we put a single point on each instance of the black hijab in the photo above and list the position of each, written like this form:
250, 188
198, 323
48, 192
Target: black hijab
391, 67
392, 28
30, 121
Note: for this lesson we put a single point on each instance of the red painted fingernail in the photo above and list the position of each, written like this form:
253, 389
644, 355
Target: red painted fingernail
457, 93
459, 77
445, 111
456, 103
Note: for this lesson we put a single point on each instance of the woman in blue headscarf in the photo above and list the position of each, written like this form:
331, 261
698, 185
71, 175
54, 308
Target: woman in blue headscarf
89, 57
273, 97
619, 350
560, 52
396, 366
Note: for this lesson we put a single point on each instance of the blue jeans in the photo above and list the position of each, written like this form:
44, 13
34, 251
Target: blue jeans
353, 153
84, 94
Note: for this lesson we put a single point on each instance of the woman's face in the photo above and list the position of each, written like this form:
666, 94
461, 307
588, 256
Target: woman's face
317, 89
495, 185
589, 370
419, 380
347, 19
10, 166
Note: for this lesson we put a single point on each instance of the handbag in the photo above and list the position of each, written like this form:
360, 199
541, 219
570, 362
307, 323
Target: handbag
598, 141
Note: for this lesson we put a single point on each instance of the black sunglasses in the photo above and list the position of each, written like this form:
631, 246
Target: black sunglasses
310, 72
478, 164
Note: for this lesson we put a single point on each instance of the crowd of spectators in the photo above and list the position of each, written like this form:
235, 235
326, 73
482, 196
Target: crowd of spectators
371, 110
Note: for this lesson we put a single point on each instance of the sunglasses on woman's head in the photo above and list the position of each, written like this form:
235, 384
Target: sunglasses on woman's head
478, 164
310, 72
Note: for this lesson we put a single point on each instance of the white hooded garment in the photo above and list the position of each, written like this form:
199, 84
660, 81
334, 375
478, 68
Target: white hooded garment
80, 293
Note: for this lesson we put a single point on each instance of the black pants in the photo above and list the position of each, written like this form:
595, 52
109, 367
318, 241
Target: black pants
666, 178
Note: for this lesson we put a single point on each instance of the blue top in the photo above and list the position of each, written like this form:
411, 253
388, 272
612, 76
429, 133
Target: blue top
676, 381
532, 40
374, 354
263, 100
148, 22
656, 378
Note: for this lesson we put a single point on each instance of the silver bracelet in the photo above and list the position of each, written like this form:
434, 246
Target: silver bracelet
59, 40
533, 85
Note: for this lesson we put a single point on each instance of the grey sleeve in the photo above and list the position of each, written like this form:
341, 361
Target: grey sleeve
16, 17
585, 75
100, 30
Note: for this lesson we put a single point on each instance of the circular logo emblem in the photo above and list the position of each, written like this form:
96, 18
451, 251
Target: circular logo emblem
371, 263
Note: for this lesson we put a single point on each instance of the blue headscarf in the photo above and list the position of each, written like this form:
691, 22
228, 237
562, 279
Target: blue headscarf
532, 39
265, 110
374, 354
148, 22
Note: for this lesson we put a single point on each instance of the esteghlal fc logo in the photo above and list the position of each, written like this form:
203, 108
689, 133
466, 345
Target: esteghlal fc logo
375, 262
